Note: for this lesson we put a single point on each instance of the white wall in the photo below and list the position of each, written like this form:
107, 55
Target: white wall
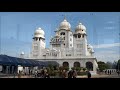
20, 68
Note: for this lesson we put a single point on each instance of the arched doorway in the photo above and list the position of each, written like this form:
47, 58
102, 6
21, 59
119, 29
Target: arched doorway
65, 64
76, 64
89, 66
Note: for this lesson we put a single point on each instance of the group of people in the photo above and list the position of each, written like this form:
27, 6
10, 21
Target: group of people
73, 74
43, 73
109, 72
68, 74
37, 74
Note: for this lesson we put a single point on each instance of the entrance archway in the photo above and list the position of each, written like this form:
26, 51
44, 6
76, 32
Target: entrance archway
89, 66
76, 64
65, 64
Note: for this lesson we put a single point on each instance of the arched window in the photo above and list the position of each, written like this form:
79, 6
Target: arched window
79, 35
65, 64
64, 38
62, 33
83, 36
89, 66
75, 36
76, 64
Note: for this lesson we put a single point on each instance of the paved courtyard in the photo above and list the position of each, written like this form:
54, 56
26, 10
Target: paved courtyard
93, 76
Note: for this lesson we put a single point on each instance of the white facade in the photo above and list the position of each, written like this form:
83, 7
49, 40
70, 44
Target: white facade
65, 46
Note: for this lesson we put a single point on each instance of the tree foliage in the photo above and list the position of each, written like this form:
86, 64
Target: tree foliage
109, 65
102, 66
118, 65
114, 65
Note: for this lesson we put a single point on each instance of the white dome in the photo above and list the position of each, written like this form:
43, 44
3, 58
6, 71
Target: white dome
88, 46
80, 29
22, 53
92, 51
57, 35
91, 47
39, 33
65, 25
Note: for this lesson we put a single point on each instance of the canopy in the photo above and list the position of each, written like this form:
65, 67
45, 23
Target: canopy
8, 60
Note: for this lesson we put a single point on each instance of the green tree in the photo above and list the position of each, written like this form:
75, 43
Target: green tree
51, 67
66, 68
109, 65
114, 65
73, 68
102, 66
78, 68
118, 65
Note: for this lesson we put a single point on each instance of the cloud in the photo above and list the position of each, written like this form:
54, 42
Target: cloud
109, 27
106, 55
107, 52
110, 22
106, 45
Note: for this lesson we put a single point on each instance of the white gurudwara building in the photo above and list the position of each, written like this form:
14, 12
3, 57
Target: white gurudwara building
66, 47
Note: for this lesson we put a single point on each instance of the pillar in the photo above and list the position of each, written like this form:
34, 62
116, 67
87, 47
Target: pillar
70, 64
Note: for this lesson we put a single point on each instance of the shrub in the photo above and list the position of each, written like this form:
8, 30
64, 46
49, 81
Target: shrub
66, 68
81, 73
61, 68
84, 69
73, 68
78, 68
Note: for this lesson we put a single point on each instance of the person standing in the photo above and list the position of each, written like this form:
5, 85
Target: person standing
74, 73
70, 74
118, 72
89, 74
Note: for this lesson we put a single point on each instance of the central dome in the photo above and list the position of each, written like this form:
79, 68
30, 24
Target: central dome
65, 25
39, 33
